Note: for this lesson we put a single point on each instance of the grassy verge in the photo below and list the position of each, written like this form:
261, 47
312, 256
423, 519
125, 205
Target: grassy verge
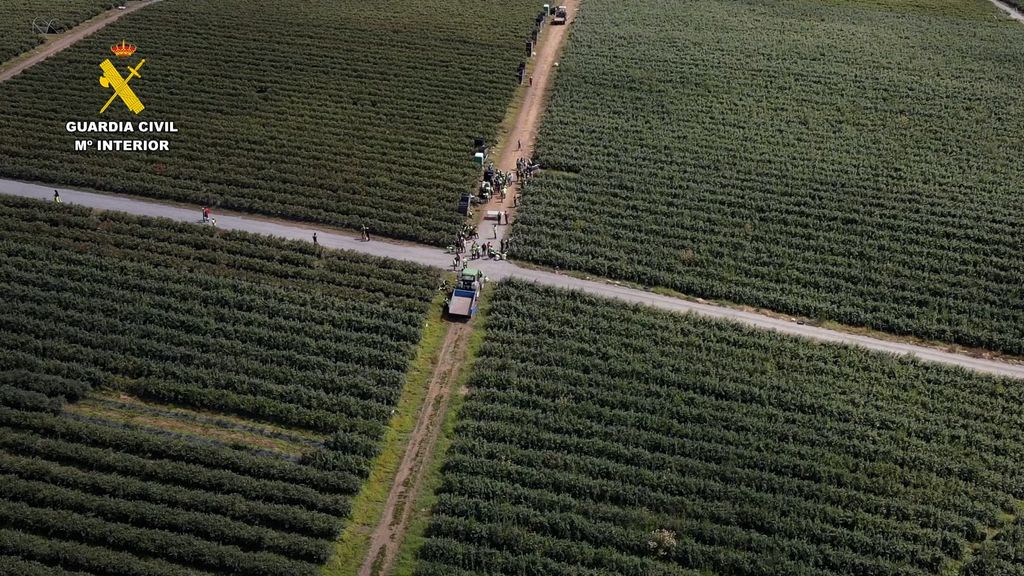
352, 546
424, 505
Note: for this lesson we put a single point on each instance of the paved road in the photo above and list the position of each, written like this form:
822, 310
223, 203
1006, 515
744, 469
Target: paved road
496, 270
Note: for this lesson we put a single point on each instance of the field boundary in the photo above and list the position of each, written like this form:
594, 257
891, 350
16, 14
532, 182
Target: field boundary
529, 113
368, 506
499, 270
415, 535
26, 60
389, 532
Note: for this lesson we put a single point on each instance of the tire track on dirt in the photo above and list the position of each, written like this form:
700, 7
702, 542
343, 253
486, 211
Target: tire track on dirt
387, 537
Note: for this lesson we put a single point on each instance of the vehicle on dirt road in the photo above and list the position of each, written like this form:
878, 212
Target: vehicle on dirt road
561, 15
465, 296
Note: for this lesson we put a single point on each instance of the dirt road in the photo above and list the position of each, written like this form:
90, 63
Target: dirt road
388, 535
1010, 10
38, 54
497, 270
521, 139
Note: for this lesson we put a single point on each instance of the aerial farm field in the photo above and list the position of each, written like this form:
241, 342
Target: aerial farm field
17, 33
599, 438
853, 161
1002, 556
343, 112
180, 401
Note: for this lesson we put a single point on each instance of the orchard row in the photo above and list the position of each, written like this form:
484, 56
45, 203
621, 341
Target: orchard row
267, 334
599, 439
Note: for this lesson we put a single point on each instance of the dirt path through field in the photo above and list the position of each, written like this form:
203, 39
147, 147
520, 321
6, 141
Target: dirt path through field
980, 361
521, 139
388, 535
1010, 10
19, 64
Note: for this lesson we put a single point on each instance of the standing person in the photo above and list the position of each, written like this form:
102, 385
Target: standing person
519, 144
56, 197
315, 242
531, 80
366, 233
495, 230
206, 214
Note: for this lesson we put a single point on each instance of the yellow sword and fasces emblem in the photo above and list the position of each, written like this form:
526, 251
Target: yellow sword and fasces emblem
112, 79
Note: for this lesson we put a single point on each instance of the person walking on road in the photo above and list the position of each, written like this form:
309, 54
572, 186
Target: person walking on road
315, 242
56, 197
366, 234
206, 214
495, 230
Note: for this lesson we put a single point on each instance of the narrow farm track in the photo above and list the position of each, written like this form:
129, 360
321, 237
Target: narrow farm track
1010, 10
36, 55
388, 535
497, 270
521, 139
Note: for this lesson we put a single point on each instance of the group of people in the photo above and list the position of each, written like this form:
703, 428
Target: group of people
524, 171
468, 233
502, 215
207, 219
477, 251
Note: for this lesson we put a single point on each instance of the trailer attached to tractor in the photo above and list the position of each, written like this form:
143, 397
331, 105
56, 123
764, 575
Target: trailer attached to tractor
466, 295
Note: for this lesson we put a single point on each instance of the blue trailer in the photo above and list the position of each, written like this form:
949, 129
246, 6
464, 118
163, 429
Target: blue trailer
465, 296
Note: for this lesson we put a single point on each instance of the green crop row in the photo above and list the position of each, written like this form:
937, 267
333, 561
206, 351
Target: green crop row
600, 438
18, 21
182, 548
1001, 556
816, 159
330, 112
219, 323
93, 559
287, 518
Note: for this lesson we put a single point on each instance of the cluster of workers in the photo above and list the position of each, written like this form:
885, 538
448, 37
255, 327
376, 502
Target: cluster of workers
477, 251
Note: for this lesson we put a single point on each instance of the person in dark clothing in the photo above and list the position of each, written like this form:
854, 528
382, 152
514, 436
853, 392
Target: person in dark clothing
315, 242
56, 197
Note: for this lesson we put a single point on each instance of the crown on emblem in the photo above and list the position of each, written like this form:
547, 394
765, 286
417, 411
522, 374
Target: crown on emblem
122, 50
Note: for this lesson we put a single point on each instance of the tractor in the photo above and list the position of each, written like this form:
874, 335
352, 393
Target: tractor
465, 296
